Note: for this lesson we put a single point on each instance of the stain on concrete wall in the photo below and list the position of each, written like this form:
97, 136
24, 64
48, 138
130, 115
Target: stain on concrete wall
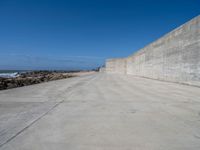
174, 57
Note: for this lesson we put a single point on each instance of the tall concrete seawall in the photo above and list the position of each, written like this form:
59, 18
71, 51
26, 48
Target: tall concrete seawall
174, 57
116, 66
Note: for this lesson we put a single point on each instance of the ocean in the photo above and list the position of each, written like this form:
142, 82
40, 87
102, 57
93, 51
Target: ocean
10, 73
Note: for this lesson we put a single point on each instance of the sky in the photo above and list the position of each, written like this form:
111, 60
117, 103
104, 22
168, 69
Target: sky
82, 34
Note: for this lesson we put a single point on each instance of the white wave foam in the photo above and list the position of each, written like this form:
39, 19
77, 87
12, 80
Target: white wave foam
9, 75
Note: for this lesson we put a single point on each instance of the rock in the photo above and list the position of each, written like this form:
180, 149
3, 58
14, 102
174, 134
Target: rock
30, 78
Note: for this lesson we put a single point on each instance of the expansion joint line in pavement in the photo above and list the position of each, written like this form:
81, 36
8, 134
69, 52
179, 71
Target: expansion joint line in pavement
56, 105
18, 133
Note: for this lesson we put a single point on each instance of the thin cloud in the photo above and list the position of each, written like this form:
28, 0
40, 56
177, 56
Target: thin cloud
30, 61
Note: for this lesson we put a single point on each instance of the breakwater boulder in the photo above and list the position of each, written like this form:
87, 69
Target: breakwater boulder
32, 77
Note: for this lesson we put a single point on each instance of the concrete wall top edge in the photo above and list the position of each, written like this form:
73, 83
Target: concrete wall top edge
138, 52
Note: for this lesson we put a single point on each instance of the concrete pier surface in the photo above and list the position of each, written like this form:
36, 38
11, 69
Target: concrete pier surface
101, 112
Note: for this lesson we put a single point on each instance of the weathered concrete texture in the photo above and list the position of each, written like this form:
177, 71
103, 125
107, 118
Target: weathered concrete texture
102, 69
174, 57
101, 112
116, 66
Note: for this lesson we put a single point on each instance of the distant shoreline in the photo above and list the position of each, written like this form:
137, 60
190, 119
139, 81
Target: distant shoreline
66, 71
33, 77
16, 73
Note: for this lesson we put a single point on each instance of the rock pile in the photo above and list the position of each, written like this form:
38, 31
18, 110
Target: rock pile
30, 78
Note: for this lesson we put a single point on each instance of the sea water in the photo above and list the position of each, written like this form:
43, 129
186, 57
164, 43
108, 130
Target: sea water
10, 73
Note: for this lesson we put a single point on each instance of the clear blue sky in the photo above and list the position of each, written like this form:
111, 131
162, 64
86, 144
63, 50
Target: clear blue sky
74, 34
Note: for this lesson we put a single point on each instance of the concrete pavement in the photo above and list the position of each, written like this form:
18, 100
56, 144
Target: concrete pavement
101, 112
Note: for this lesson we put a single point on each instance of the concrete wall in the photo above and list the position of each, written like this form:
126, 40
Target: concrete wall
116, 66
174, 57
102, 69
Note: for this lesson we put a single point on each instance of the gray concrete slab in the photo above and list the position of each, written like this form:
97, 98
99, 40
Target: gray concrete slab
101, 111
174, 57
